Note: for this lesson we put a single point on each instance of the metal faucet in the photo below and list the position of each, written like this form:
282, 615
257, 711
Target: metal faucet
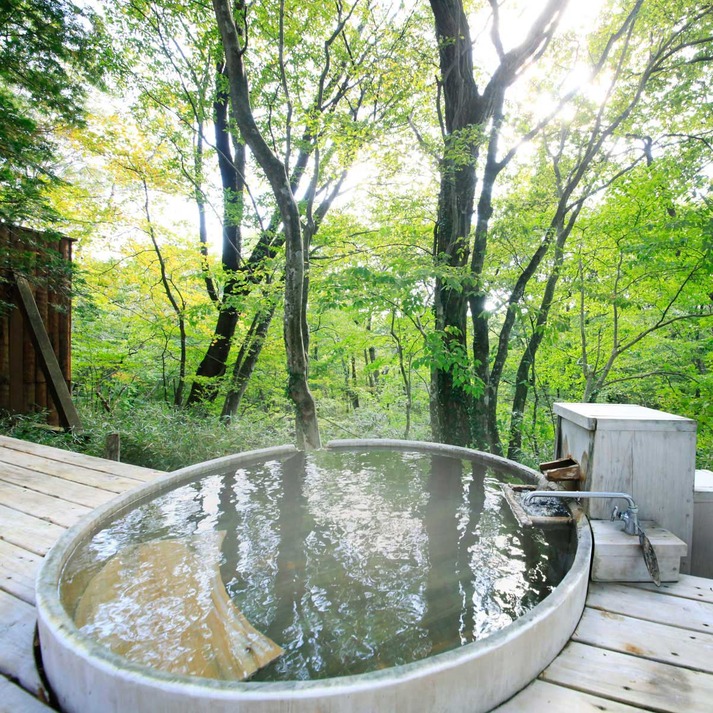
630, 516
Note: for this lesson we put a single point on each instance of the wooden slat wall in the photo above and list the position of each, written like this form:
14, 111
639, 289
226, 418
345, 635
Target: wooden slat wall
23, 387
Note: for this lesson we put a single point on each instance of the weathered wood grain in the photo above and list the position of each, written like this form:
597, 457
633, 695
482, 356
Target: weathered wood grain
542, 697
18, 569
688, 587
17, 631
618, 557
57, 487
651, 606
28, 532
79, 459
46, 507
646, 453
46, 356
14, 699
631, 680
96, 479
658, 642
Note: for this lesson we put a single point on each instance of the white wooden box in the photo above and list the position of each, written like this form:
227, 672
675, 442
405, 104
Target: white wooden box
646, 453
618, 557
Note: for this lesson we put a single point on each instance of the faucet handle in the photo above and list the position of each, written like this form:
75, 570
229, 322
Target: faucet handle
615, 513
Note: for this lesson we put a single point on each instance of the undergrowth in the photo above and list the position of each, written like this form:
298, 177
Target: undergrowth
155, 435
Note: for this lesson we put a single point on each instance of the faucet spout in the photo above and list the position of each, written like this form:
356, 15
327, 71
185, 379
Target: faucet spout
576, 495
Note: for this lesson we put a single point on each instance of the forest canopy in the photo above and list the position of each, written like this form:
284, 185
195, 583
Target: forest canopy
411, 219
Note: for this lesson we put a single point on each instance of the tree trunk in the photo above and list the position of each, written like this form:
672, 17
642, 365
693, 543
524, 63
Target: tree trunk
202, 224
266, 247
307, 430
524, 380
174, 296
246, 361
484, 429
451, 403
232, 173
405, 375
458, 417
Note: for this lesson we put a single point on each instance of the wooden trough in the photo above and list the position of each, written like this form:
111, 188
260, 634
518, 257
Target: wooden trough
513, 494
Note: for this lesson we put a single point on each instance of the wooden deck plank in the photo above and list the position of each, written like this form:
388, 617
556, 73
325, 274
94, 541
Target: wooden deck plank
651, 606
631, 680
28, 532
46, 507
68, 471
658, 642
540, 696
688, 587
79, 459
57, 487
17, 631
18, 569
14, 699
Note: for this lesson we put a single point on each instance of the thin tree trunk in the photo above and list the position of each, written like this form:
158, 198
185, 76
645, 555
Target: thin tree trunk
202, 225
525, 378
484, 424
307, 429
246, 361
451, 404
405, 375
352, 384
174, 297
232, 171
255, 338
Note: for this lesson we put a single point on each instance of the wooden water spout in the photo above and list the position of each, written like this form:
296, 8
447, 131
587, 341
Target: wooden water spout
163, 604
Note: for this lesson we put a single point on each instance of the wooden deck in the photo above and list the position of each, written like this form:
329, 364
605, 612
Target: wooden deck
43, 491
636, 647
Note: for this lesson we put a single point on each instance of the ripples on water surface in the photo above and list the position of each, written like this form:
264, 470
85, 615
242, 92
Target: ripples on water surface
353, 561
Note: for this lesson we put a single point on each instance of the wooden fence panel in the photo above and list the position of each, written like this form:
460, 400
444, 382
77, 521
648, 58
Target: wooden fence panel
23, 385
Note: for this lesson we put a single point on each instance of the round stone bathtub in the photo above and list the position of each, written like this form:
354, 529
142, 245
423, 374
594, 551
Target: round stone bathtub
475, 673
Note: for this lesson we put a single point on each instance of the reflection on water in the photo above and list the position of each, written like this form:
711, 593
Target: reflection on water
353, 561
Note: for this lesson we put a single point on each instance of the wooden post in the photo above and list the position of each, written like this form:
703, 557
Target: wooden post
5, 361
69, 418
17, 403
112, 446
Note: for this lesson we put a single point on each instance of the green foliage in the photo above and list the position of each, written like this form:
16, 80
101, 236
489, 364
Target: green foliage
450, 356
157, 436
633, 320
49, 50
462, 145
126, 335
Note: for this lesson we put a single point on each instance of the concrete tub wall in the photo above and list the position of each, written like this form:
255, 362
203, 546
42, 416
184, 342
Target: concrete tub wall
87, 677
